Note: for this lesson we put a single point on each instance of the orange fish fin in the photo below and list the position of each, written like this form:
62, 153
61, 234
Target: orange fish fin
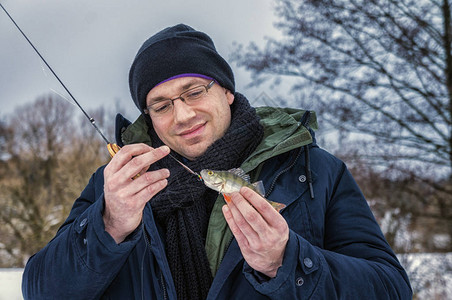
227, 198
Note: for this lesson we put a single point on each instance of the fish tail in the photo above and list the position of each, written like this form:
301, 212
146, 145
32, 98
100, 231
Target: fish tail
276, 205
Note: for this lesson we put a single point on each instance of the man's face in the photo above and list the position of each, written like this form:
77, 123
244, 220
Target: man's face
191, 129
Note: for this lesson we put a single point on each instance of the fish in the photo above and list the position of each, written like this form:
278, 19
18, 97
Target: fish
226, 182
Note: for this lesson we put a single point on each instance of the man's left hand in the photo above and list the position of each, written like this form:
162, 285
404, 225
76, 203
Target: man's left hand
261, 232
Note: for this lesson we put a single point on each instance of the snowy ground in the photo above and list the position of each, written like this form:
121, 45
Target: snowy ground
10, 281
430, 276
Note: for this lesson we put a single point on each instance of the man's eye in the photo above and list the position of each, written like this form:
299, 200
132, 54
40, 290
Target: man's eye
195, 94
161, 107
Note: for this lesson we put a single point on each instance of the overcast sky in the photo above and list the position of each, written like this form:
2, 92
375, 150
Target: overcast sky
91, 44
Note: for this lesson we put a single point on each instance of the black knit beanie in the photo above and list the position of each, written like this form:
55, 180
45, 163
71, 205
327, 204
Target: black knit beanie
175, 51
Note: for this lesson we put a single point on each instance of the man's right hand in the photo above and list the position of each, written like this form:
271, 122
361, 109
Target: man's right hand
125, 197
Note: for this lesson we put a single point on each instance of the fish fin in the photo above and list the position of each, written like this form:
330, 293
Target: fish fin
239, 172
277, 205
259, 186
227, 198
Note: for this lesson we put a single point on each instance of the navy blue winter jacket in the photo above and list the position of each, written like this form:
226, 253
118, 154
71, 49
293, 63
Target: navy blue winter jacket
336, 249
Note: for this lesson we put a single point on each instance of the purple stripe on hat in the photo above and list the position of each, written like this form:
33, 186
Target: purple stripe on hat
186, 75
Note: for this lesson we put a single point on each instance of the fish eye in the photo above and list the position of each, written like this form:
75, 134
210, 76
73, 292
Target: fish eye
210, 173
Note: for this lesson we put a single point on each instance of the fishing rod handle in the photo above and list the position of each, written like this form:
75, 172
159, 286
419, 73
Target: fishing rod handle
113, 149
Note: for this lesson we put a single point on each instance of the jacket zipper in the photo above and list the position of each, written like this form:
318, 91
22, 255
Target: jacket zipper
225, 251
162, 279
165, 295
272, 186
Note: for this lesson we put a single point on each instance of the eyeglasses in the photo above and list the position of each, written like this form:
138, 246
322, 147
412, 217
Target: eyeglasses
190, 96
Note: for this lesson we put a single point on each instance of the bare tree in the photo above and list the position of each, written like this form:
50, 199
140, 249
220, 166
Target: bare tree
47, 162
378, 70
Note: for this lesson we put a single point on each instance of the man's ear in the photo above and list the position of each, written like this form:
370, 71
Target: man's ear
229, 96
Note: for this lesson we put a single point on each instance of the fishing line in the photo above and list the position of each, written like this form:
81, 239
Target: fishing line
71, 102
43, 68
186, 167
47, 77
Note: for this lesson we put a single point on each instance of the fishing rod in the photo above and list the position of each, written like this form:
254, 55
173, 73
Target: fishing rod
92, 121
112, 147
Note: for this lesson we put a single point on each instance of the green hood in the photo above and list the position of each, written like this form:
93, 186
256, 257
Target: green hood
282, 132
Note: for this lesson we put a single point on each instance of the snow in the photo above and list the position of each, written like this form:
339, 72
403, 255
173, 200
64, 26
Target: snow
10, 284
430, 276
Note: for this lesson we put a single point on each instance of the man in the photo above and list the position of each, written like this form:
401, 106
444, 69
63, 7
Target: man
164, 235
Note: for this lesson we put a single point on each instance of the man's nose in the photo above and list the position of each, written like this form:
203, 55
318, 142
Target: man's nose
182, 111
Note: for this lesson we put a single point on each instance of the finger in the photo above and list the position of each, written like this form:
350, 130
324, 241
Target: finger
245, 216
137, 198
268, 213
147, 179
150, 191
142, 162
235, 229
125, 154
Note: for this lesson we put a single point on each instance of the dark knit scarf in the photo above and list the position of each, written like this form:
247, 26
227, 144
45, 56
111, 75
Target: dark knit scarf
183, 208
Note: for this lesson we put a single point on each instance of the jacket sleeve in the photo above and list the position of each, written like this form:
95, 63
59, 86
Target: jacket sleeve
355, 261
82, 259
